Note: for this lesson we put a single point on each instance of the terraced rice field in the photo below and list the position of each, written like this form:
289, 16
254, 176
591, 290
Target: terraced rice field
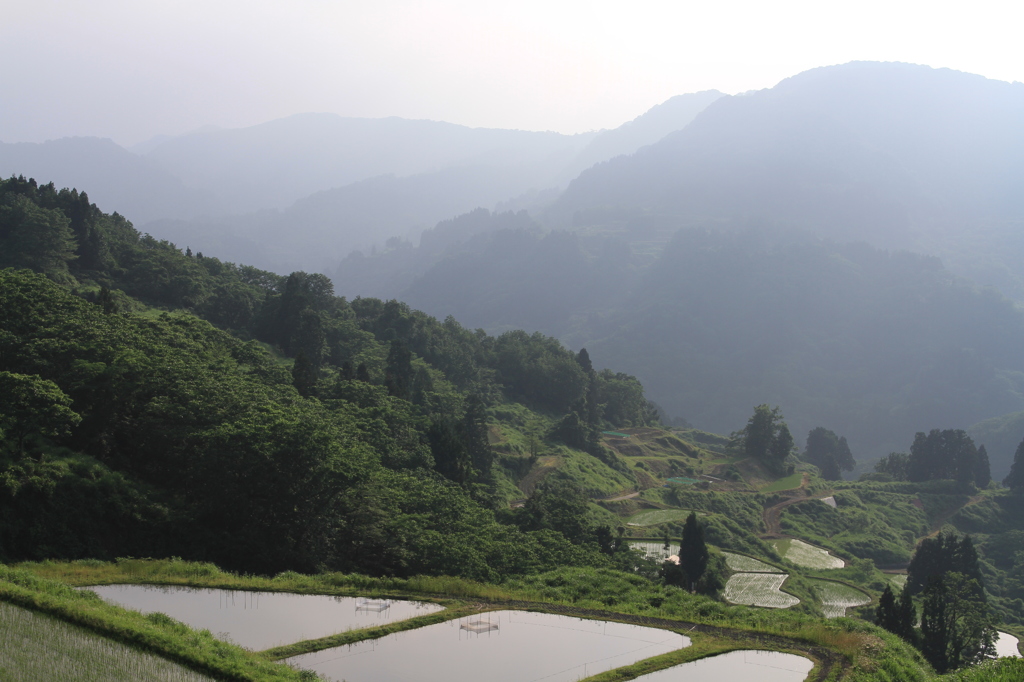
762, 666
898, 580
656, 550
837, 597
759, 589
807, 556
744, 564
653, 517
37, 647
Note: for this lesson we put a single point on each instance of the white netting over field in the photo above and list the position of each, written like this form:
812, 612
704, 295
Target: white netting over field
373, 605
479, 625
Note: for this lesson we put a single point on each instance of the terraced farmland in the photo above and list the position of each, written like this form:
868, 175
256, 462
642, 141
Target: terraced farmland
655, 550
759, 589
837, 597
653, 517
38, 647
898, 580
807, 556
745, 564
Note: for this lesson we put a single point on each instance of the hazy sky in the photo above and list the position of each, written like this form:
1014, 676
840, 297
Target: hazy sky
132, 69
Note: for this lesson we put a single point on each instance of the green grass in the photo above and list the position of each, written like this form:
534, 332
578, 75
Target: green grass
653, 517
1002, 670
788, 483
759, 589
745, 564
34, 646
837, 597
806, 556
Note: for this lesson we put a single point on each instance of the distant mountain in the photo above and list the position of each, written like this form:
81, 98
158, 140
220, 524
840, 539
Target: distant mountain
898, 155
319, 231
669, 116
115, 178
274, 164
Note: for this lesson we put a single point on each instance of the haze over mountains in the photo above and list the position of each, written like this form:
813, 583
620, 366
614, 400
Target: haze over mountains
728, 250
338, 183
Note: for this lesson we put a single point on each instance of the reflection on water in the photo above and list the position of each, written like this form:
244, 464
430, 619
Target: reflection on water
749, 666
1006, 645
260, 620
503, 646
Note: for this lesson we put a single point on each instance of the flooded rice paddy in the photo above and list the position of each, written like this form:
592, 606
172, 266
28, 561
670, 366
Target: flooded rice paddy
1006, 645
503, 646
260, 620
753, 666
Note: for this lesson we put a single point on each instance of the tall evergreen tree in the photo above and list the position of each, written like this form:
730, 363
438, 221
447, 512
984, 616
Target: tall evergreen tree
886, 613
766, 437
906, 620
982, 469
944, 553
303, 375
693, 551
829, 452
1015, 479
398, 373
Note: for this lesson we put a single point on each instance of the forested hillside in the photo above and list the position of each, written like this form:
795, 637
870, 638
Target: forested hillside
307, 431
161, 403
875, 345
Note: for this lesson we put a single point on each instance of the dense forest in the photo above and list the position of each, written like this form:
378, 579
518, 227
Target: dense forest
264, 423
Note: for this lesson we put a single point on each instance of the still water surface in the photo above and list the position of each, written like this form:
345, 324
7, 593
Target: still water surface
503, 646
1006, 645
260, 620
749, 666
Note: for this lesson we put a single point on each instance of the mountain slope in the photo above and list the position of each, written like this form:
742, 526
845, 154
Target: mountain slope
117, 179
898, 155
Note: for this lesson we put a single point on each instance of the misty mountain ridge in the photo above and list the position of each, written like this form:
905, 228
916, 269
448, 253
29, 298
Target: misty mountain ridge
897, 155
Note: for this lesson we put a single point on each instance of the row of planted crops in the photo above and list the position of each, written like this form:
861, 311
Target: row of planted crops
510, 645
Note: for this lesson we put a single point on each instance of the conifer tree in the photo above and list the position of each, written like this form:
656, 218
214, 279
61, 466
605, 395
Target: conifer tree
886, 614
906, 617
693, 551
982, 469
1015, 479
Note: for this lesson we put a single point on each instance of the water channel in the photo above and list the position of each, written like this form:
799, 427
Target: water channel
260, 620
502, 646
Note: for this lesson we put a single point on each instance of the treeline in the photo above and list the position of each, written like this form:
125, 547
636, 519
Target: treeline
159, 434
948, 454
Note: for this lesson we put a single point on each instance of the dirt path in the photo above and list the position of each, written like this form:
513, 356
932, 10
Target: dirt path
941, 521
773, 515
627, 496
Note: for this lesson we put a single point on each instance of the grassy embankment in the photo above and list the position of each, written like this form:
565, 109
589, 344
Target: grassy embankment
843, 649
